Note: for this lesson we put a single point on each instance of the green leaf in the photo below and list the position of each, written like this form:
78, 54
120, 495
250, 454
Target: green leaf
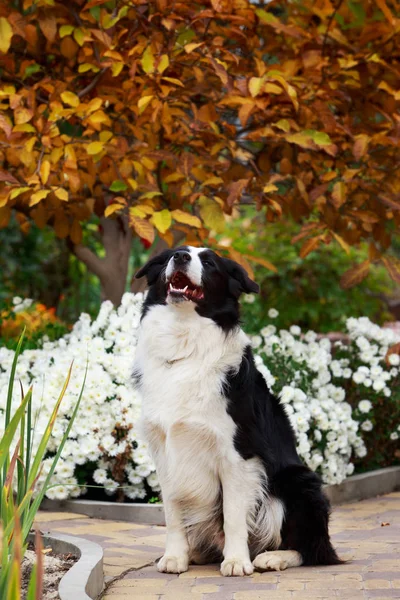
118, 186
66, 30
185, 37
31, 70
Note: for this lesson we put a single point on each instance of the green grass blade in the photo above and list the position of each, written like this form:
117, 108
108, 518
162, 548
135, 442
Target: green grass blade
46, 435
38, 499
4, 464
8, 436
28, 444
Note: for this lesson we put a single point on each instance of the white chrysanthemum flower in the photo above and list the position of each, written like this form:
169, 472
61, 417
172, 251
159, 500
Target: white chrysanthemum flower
367, 426
364, 406
394, 435
394, 360
273, 313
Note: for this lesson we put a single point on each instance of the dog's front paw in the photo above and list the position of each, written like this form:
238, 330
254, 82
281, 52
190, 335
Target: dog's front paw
173, 564
233, 567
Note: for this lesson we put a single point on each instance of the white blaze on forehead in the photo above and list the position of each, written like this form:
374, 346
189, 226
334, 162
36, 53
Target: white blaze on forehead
194, 268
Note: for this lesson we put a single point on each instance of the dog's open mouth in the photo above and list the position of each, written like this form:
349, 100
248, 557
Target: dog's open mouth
180, 286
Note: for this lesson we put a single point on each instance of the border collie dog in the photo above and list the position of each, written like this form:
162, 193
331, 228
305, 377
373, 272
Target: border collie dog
233, 486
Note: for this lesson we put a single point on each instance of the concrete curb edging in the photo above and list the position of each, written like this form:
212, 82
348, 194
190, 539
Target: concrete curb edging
364, 486
85, 579
357, 487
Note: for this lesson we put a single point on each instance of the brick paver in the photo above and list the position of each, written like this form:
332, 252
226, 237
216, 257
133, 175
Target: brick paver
366, 533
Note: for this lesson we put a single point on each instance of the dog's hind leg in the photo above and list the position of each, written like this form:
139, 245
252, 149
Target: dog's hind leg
277, 560
305, 533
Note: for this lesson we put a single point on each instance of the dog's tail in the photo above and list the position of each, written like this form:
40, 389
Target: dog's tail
307, 510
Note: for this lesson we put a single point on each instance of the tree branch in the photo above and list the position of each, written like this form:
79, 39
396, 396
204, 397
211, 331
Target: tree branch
92, 84
91, 260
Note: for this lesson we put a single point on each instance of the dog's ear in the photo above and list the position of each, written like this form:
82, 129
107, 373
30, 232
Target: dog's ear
239, 281
154, 266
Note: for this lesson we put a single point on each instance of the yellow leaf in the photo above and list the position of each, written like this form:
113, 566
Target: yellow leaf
272, 88
70, 98
255, 85
148, 60
17, 191
143, 228
174, 177
98, 117
44, 171
190, 47
144, 102
79, 36
186, 218
94, 148
6, 34
65, 30
163, 64
38, 196
94, 105
162, 220
270, 187
133, 183
212, 214
112, 208
173, 80
85, 67
24, 128
61, 194
116, 68
22, 115
145, 208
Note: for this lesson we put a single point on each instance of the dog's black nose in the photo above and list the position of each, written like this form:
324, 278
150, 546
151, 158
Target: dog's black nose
181, 257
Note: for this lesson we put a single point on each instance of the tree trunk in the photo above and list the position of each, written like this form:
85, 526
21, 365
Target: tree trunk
112, 270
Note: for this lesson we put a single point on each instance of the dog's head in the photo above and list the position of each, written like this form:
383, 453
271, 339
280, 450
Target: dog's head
210, 284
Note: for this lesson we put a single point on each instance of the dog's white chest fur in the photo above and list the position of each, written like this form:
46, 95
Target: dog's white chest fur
183, 359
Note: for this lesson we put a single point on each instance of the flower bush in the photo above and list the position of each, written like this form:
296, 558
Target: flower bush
37, 319
337, 395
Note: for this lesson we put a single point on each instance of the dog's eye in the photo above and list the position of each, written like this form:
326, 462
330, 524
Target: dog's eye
207, 263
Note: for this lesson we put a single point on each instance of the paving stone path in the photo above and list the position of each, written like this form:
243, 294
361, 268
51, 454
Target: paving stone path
367, 533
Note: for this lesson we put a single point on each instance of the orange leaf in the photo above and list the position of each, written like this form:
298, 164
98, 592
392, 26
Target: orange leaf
392, 265
339, 194
360, 146
241, 260
235, 190
143, 228
48, 25
309, 245
355, 275
262, 261
76, 232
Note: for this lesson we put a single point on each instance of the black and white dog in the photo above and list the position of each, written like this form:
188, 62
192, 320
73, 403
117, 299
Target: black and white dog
232, 483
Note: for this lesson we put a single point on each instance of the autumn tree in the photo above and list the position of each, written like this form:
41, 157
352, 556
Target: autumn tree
161, 117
